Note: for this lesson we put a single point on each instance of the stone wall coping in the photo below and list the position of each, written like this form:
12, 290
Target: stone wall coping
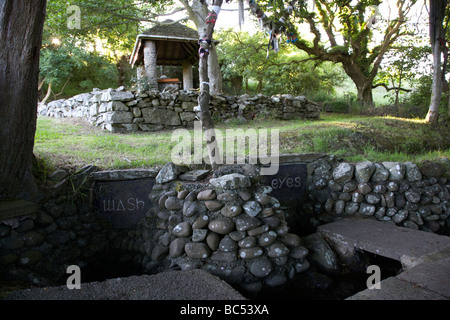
125, 174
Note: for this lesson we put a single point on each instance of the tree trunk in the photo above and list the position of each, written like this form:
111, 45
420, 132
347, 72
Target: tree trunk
197, 12
21, 24
436, 18
214, 73
206, 33
363, 85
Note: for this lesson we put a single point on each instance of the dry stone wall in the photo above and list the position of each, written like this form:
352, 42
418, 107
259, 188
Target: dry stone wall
403, 194
128, 111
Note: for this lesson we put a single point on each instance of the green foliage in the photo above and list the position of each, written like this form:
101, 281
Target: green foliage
84, 69
244, 56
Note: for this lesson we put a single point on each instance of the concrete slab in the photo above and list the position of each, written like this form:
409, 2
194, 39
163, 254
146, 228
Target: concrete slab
171, 285
395, 289
433, 276
403, 244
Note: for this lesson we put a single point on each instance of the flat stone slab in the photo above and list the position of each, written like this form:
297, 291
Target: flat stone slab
425, 257
433, 276
172, 285
128, 174
399, 243
16, 208
396, 289
194, 175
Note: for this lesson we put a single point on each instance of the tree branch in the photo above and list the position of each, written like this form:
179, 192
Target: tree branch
384, 85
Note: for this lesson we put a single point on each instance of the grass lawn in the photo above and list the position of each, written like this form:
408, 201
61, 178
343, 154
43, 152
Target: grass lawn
74, 143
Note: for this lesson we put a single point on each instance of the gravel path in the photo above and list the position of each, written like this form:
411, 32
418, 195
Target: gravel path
172, 285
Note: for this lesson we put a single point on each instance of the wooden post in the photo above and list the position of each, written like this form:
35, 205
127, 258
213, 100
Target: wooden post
150, 64
188, 76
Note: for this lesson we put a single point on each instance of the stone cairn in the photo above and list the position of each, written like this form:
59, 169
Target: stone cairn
229, 226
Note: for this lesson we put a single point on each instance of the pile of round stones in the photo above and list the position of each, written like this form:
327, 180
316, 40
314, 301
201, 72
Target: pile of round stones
228, 227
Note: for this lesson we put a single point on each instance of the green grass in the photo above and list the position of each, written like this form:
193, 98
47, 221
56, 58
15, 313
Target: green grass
73, 143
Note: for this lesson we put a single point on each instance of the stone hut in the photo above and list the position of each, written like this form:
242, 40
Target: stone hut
169, 44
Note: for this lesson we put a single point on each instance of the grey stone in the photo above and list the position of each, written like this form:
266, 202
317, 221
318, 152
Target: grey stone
343, 172
159, 252
366, 209
412, 196
116, 106
267, 238
250, 253
364, 171
208, 194
227, 244
400, 216
379, 213
201, 222
351, 208
392, 186
168, 173
197, 250
258, 230
379, 189
212, 205
110, 95
245, 222
195, 175
161, 116
364, 188
33, 238
198, 235
231, 211
396, 170
277, 249
183, 229
58, 175
227, 196
373, 198
339, 207
261, 268
212, 239
231, 181
390, 199
118, 117
247, 242
245, 195
252, 208
299, 252
172, 203
224, 256
349, 186
12, 242
321, 254
412, 172
291, 240
237, 235
30, 257
177, 247
380, 174
221, 225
